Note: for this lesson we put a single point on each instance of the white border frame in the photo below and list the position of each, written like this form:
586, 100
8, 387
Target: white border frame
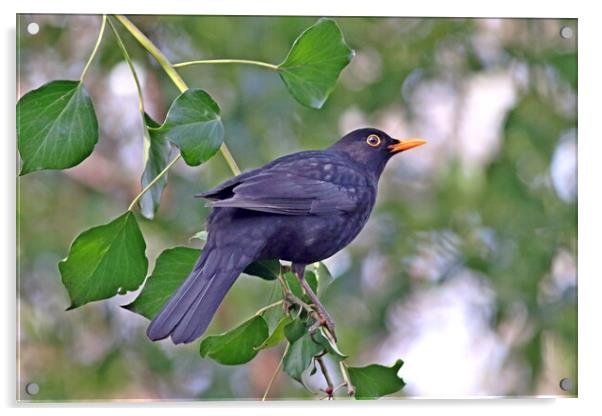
590, 206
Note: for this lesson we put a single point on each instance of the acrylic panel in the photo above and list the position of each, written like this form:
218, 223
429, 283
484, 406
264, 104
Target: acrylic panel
461, 284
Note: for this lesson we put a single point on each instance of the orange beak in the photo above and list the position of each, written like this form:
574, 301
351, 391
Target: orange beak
405, 145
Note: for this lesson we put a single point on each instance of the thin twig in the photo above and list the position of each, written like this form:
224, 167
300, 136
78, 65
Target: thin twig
290, 297
339, 387
93, 54
268, 388
329, 390
154, 51
345, 374
127, 58
270, 306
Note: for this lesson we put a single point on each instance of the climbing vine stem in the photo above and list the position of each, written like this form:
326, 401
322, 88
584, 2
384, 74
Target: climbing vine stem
173, 75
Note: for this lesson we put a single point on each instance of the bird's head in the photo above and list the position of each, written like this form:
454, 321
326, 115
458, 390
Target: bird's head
373, 148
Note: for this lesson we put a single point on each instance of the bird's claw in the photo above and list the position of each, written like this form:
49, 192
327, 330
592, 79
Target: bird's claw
324, 320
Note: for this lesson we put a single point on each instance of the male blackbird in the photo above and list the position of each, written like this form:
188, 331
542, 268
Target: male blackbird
303, 208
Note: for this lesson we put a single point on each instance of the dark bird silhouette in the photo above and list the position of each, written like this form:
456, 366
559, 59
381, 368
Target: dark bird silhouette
302, 208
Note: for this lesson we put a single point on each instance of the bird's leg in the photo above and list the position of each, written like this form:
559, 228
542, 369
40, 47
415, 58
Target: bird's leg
324, 317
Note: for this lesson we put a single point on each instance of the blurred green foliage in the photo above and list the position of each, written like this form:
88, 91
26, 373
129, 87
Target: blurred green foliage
503, 219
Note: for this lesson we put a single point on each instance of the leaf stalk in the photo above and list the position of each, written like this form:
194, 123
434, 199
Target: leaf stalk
127, 58
154, 181
329, 390
93, 54
270, 306
227, 61
345, 374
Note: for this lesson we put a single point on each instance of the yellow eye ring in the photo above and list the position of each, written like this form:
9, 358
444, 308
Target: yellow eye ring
373, 140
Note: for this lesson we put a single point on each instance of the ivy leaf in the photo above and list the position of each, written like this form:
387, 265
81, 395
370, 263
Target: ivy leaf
375, 380
171, 269
266, 269
156, 158
313, 64
193, 124
56, 125
104, 261
277, 334
299, 356
238, 345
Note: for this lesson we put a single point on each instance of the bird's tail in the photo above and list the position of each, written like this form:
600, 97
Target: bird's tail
189, 311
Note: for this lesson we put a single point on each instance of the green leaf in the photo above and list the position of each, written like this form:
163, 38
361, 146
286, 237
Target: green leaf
313, 64
312, 280
156, 158
299, 356
238, 345
324, 277
566, 65
171, 269
274, 315
266, 269
56, 125
277, 335
295, 286
294, 330
104, 261
321, 338
194, 125
375, 380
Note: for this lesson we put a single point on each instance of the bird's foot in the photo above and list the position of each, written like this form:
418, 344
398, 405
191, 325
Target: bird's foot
322, 317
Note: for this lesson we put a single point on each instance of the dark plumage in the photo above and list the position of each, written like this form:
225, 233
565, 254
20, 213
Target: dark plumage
303, 208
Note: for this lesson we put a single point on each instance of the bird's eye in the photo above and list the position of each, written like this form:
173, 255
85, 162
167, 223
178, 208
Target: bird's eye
373, 140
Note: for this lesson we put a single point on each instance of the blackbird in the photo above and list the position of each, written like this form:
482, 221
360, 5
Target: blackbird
302, 208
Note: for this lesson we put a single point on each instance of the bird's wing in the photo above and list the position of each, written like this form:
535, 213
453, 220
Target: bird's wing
284, 188
224, 190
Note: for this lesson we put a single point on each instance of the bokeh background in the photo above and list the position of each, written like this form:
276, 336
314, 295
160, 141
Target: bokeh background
466, 269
